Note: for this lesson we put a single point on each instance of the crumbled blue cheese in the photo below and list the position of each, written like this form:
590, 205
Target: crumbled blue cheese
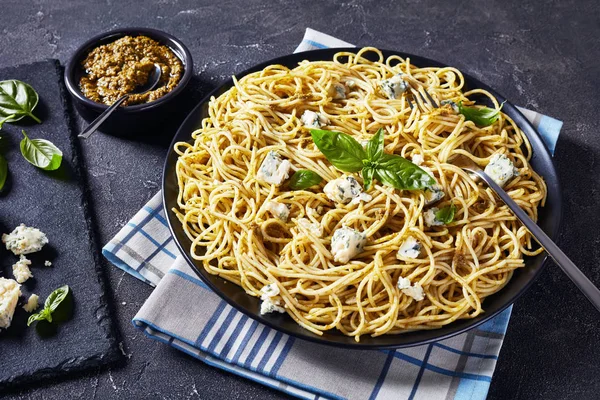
268, 306
435, 192
345, 190
452, 105
21, 269
393, 87
347, 243
268, 291
278, 210
430, 219
313, 227
362, 197
500, 169
10, 291
32, 303
24, 240
410, 248
415, 291
337, 91
313, 120
274, 169
48, 263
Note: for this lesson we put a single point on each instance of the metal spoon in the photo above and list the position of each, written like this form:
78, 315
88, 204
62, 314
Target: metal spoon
579, 279
153, 79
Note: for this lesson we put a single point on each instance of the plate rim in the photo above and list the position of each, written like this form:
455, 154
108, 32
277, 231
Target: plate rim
521, 121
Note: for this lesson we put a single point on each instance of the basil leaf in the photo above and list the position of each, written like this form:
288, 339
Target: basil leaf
367, 175
482, 116
398, 172
375, 146
342, 150
17, 99
446, 214
303, 179
55, 298
44, 315
41, 153
3, 171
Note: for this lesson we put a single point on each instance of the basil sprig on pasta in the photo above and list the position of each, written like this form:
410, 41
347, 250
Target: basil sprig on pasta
303, 179
482, 116
346, 154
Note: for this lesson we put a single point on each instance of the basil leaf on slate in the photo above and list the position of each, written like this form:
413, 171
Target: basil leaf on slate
41, 153
303, 179
3, 171
482, 116
56, 297
342, 150
44, 315
398, 172
375, 146
17, 100
446, 214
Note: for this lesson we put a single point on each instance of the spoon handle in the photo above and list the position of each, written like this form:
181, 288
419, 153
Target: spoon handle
579, 279
101, 118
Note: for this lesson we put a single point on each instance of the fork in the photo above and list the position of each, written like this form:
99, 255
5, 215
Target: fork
579, 279
418, 92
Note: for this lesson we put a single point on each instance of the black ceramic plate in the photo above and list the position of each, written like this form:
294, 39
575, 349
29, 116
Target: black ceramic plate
549, 220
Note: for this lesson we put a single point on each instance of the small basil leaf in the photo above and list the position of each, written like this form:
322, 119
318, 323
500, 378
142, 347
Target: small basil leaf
375, 146
303, 179
446, 214
3, 171
17, 99
399, 173
482, 116
367, 175
41, 153
342, 150
44, 315
56, 297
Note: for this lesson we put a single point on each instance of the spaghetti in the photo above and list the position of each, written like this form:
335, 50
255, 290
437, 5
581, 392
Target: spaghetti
228, 211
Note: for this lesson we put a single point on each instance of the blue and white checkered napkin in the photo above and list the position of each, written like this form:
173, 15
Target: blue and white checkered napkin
185, 314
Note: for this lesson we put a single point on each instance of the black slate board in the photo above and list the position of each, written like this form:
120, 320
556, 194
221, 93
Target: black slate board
56, 203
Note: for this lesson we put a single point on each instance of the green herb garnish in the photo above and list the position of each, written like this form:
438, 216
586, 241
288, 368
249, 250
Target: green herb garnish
17, 100
346, 154
446, 214
41, 152
482, 116
303, 179
3, 171
54, 300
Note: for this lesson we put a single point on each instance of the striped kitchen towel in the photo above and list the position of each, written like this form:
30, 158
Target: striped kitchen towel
184, 313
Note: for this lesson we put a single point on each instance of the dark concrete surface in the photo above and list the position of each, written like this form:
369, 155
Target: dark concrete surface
541, 55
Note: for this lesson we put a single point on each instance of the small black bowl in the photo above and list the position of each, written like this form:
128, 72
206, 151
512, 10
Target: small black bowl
135, 119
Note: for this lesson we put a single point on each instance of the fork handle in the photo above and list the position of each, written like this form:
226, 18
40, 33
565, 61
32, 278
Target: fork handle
579, 279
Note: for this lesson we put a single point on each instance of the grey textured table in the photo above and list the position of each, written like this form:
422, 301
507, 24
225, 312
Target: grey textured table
542, 57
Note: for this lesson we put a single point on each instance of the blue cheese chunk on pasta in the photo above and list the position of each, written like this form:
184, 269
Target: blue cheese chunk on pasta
278, 210
10, 291
430, 218
500, 169
337, 91
393, 87
21, 269
435, 192
313, 120
410, 248
269, 304
274, 169
346, 244
345, 190
415, 291
24, 240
